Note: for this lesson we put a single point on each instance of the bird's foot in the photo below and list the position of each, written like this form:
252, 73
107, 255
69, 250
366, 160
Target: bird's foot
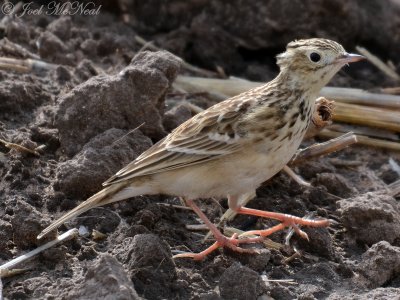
226, 242
286, 221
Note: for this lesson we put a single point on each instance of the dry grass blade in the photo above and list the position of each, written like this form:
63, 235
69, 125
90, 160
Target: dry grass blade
377, 62
364, 140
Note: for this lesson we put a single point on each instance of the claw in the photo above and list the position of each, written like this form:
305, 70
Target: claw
231, 243
300, 232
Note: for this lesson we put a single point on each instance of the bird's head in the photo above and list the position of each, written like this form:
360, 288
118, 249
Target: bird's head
313, 62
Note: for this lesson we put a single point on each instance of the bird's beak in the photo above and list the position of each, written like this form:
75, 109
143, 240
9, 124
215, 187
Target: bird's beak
349, 58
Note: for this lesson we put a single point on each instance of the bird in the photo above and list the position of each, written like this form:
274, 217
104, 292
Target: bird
231, 148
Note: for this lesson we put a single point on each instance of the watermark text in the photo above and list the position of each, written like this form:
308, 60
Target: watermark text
53, 8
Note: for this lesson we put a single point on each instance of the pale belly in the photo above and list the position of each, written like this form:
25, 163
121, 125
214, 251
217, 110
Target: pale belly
236, 174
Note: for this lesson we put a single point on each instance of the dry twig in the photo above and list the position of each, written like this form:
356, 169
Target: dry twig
19, 148
377, 62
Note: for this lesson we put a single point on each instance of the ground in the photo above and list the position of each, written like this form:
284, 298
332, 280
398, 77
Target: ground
87, 111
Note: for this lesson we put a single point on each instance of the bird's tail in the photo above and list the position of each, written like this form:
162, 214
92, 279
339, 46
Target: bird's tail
112, 193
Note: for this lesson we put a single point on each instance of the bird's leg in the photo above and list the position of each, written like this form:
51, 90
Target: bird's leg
221, 240
285, 219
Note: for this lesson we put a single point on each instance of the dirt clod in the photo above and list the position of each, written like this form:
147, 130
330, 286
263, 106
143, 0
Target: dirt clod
106, 279
52, 48
126, 100
176, 116
18, 97
240, 282
380, 264
27, 223
61, 27
336, 184
82, 175
151, 267
320, 242
371, 217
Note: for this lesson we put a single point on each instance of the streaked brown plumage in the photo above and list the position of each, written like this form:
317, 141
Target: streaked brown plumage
234, 146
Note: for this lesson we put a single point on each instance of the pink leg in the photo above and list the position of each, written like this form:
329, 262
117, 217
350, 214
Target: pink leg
285, 219
221, 240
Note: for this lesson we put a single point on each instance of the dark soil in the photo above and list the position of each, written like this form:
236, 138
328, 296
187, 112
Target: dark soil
87, 113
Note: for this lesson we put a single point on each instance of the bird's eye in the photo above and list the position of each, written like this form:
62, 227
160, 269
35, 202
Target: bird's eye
315, 57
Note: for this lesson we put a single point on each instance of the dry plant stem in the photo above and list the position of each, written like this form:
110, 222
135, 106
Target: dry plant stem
196, 227
288, 281
229, 231
364, 140
65, 236
359, 96
11, 273
19, 148
186, 65
235, 86
391, 90
394, 188
193, 108
10, 48
25, 65
388, 119
292, 257
364, 130
377, 62
316, 150
175, 206
97, 235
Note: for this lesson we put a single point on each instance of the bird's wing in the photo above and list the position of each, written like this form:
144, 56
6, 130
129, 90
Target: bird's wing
208, 135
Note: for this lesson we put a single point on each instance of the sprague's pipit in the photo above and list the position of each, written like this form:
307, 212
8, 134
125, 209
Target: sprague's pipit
234, 146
